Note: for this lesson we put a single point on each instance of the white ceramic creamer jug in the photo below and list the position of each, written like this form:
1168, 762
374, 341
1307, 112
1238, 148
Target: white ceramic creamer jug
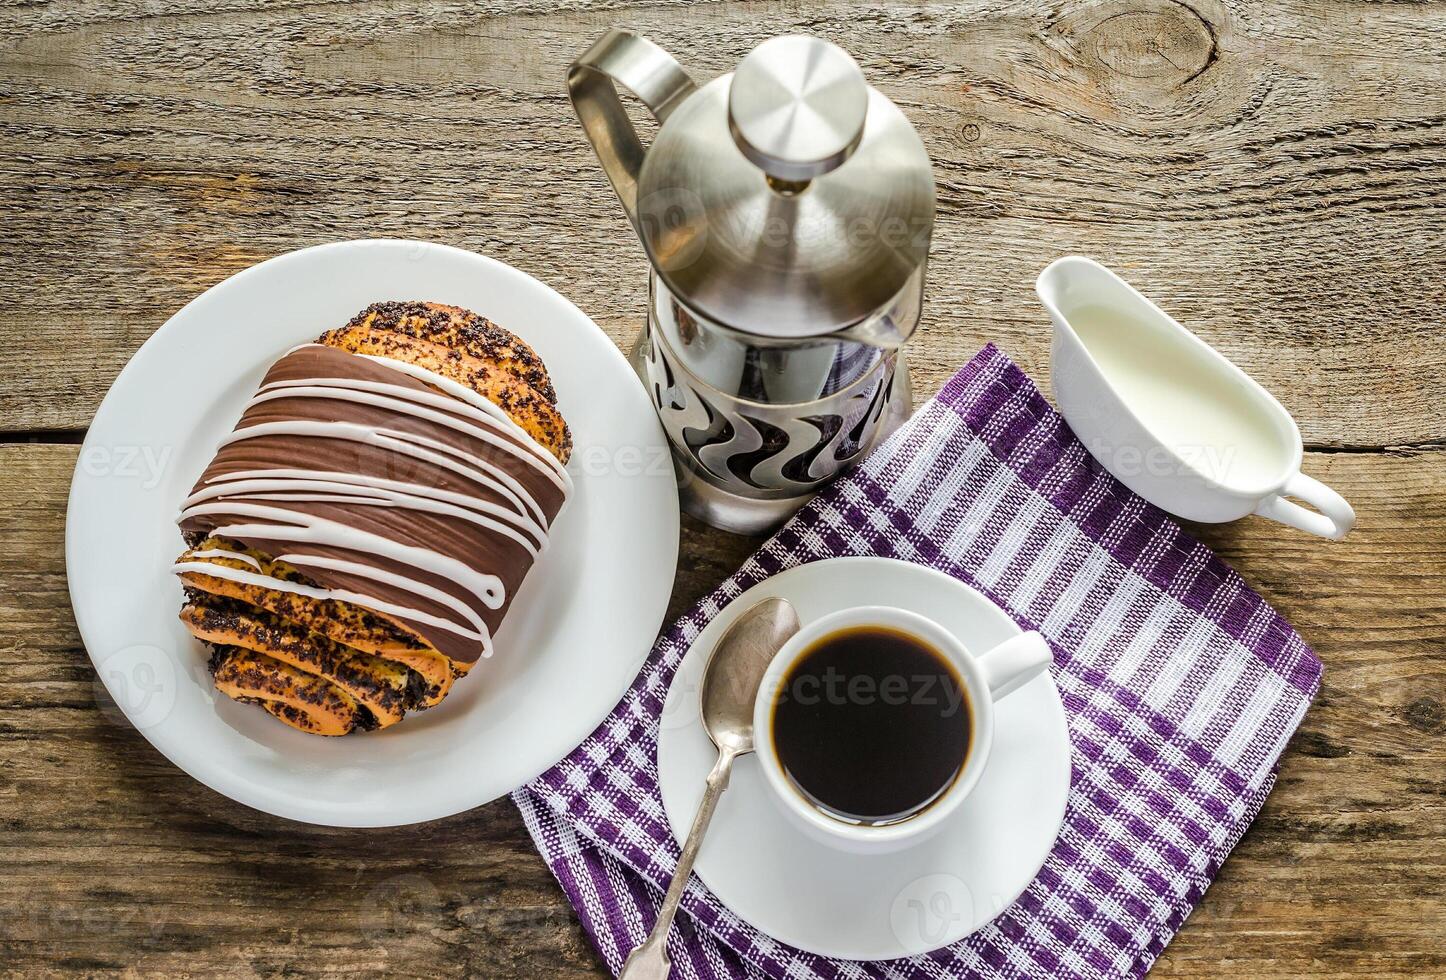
1169, 416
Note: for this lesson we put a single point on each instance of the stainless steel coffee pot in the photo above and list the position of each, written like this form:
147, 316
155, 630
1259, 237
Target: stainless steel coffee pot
786, 210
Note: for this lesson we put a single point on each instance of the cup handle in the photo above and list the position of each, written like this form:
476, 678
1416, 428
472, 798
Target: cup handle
1336, 517
1014, 663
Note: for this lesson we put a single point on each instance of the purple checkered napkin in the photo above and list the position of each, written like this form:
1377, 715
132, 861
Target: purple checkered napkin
1180, 684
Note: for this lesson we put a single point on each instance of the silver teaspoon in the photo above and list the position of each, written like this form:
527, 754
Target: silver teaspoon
730, 686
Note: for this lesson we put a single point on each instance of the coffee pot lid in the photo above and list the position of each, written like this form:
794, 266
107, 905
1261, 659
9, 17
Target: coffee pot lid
788, 199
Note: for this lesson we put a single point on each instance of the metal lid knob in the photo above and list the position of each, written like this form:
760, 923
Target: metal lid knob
796, 106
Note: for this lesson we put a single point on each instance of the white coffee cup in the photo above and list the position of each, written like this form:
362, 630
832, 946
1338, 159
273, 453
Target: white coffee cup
1169, 416
986, 678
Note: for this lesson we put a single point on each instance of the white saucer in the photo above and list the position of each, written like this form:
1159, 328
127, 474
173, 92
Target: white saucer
576, 633
874, 907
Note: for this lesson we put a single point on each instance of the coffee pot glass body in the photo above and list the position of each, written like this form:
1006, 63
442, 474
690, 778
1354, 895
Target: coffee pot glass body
786, 210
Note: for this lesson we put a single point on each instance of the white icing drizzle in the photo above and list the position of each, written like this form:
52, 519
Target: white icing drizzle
341, 595
395, 398
475, 400
459, 391
305, 528
409, 443
362, 489
392, 578
519, 517
223, 553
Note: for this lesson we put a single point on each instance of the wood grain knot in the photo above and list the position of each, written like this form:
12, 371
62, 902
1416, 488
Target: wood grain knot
1157, 40
1427, 716
1317, 746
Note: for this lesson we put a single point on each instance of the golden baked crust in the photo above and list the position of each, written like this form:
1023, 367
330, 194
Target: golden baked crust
302, 700
523, 404
465, 331
347, 625
383, 687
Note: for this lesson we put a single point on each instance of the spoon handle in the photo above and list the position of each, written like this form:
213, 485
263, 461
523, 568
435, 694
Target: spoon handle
650, 960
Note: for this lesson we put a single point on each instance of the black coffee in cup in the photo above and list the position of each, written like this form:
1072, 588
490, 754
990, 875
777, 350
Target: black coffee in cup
871, 725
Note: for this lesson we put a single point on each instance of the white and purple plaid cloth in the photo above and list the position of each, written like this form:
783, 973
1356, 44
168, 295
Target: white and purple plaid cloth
1180, 684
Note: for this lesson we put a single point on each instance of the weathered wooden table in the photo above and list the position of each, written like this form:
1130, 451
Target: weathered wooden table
1275, 174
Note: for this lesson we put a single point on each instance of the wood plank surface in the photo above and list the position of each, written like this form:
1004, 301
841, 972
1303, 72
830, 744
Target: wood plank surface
112, 858
1273, 174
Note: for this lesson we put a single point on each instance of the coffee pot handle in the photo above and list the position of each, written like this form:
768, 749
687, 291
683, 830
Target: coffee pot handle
1336, 516
622, 58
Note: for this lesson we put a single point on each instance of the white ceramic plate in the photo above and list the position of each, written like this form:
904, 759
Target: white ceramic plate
876, 906
576, 633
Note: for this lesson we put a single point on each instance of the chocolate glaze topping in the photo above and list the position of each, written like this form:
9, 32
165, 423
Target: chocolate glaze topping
371, 482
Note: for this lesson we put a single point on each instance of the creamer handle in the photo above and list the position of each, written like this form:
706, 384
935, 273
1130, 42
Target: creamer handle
622, 58
1336, 517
